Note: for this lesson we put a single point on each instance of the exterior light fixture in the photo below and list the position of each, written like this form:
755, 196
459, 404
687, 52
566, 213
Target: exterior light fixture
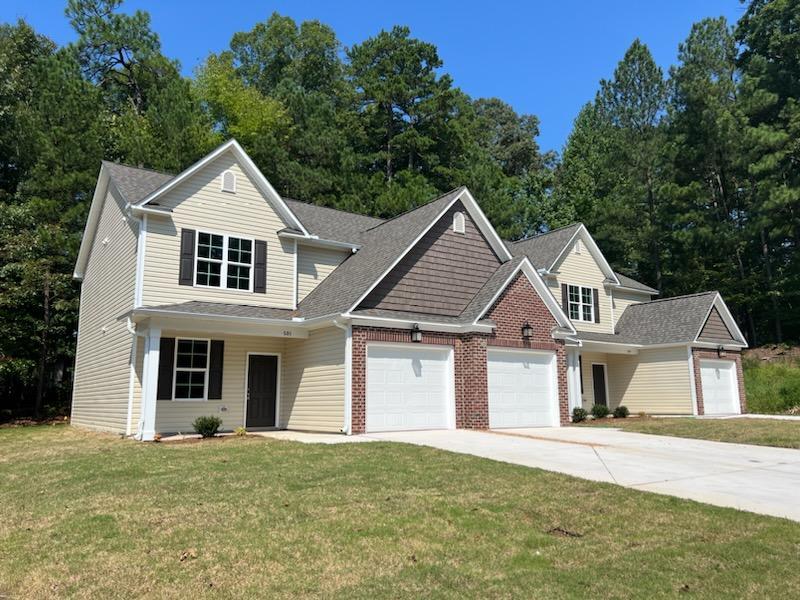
721, 351
527, 331
416, 334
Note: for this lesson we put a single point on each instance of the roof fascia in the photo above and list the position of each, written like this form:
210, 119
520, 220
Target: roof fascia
92, 221
488, 230
427, 325
249, 166
317, 241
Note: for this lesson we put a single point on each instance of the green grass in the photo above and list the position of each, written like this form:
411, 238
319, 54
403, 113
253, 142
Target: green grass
92, 516
771, 387
761, 432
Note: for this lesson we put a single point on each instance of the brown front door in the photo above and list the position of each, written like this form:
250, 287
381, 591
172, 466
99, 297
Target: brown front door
262, 390
599, 381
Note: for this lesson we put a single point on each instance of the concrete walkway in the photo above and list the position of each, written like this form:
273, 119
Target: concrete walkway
753, 478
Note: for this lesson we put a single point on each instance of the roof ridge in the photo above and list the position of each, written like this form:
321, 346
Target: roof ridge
539, 235
424, 204
683, 297
346, 212
129, 166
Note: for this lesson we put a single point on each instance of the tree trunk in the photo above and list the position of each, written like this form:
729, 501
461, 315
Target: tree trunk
768, 270
43, 345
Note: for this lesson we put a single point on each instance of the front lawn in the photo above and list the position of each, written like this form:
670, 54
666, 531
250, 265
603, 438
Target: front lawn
762, 432
92, 516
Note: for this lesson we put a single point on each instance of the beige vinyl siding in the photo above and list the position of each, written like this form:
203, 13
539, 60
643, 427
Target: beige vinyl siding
622, 299
178, 415
136, 412
587, 358
581, 269
715, 329
314, 264
198, 203
654, 381
103, 354
312, 394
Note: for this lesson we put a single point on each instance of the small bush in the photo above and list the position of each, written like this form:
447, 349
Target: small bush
579, 414
240, 431
621, 412
600, 411
207, 426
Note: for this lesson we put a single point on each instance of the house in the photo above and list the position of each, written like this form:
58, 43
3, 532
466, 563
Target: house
208, 293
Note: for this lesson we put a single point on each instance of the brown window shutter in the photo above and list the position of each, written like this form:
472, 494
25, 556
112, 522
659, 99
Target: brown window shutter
215, 370
166, 362
186, 273
260, 268
596, 305
565, 299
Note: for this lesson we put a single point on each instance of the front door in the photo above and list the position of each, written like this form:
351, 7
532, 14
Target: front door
599, 382
262, 390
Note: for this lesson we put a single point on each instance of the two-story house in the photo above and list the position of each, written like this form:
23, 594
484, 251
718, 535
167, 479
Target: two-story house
206, 292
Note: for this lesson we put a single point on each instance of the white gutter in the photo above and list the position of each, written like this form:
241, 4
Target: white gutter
132, 375
348, 375
314, 240
409, 323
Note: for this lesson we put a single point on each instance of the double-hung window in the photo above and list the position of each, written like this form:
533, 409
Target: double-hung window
191, 369
581, 303
224, 261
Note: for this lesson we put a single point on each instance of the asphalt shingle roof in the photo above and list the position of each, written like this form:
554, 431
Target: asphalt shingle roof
331, 224
629, 282
218, 309
543, 249
133, 183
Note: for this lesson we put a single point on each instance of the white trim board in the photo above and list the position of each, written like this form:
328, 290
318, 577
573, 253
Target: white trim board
727, 318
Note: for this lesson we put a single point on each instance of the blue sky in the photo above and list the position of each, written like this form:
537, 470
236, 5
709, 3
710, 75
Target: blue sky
544, 58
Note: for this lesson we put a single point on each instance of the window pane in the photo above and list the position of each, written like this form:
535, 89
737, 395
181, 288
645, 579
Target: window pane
238, 277
574, 312
586, 293
574, 294
587, 313
239, 250
208, 273
209, 246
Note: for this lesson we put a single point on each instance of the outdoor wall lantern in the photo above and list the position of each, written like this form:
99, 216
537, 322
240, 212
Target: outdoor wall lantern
416, 334
527, 331
721, 351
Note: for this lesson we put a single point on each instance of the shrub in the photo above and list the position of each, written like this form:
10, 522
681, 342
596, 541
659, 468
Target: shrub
579, 414
599, 411
621, 412
207, 426
240, 431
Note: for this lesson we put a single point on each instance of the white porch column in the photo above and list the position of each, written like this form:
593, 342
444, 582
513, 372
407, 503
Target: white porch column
573, 378
152, 347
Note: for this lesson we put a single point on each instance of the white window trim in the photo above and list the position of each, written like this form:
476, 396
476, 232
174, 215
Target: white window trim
581, 303
224, 262
175, 370
222, 182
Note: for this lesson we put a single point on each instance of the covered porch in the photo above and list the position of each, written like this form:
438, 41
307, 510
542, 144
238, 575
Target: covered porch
650, 380
251, 373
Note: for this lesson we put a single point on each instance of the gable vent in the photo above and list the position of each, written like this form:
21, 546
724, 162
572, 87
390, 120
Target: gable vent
578, 246
229, 182
458, 222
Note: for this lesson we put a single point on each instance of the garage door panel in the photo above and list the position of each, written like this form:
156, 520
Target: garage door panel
408, 388
720, 387
522, 391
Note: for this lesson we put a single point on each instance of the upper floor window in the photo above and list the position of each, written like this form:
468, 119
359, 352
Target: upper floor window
581, 303
224, 261
458, 222
229, 182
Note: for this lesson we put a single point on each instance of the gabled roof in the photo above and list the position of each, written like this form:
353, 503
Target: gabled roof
630, 283
135, 183
247, 165
545, 248
675, 320
330, 223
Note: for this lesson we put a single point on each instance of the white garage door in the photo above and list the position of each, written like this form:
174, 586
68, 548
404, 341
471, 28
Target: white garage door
408, 387
522, 389
720, 389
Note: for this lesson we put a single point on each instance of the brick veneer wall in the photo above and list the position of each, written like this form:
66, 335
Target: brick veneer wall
518, 303
700, 353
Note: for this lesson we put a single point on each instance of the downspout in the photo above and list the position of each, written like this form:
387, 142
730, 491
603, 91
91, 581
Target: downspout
348, 375
134, 350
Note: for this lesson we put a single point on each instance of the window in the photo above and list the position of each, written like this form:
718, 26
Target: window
458, 222
581, 303
228, 182
191, 369
224, 261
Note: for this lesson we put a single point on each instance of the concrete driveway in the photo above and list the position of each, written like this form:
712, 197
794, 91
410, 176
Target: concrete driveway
754, 478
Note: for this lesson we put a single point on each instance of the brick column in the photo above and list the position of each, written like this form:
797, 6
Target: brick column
472, 393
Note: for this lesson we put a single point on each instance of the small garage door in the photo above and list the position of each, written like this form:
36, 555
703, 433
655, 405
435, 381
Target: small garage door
408, 387
720, 389
522, 389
